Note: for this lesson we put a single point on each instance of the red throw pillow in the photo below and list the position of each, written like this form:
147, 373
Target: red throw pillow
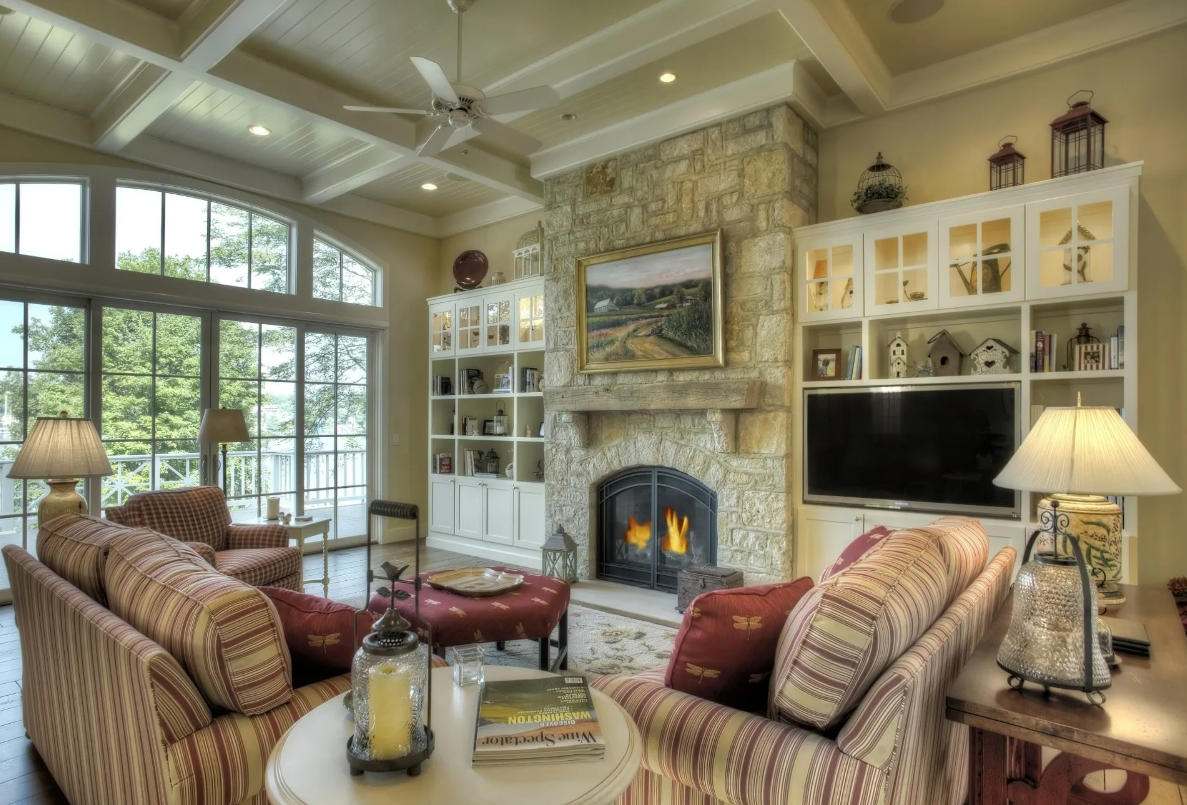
322, 635
855, 550
725, 649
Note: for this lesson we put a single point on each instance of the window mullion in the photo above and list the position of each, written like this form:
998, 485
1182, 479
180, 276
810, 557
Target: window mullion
299, 428
16, 234
250, 251
163, 233
209, 215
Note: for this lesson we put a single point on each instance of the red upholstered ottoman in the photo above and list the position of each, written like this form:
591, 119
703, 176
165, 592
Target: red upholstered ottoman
529, 613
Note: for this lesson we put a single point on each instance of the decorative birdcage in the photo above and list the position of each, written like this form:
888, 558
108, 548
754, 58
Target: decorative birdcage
880, 188
1077, 138
529, 253
1007, 168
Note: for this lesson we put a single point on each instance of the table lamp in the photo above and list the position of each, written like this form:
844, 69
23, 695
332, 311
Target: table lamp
222, 426
61, 449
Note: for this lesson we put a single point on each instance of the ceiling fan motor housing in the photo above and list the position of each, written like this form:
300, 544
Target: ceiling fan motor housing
460, 5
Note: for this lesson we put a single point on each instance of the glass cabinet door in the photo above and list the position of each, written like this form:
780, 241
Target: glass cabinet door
441, 329
981, 258
529, 317
1078, 244
901, 269
831, 286
497, 323
469, 326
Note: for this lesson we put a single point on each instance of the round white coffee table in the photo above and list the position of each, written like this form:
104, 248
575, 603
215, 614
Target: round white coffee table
308, 764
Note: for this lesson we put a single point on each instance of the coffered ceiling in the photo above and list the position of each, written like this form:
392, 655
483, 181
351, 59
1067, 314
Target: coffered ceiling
176, 83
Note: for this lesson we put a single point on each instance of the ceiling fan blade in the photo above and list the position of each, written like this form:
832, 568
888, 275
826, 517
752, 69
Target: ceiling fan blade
437, 140
505, 135
435, 77
525, 100
386, 109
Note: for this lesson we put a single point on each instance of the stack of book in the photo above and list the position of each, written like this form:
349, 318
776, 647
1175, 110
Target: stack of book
442, 386
467, 378
443, 463
537, 721
471, 461
1117, 348
853, 367
1042, 353
528, 377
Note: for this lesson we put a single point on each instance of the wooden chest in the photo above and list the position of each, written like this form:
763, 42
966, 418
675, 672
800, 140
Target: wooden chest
692, 581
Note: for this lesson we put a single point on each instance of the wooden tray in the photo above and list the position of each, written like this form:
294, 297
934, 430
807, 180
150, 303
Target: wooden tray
476, 582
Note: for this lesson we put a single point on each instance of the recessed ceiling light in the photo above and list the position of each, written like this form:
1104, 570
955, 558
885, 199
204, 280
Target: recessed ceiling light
258, 130
667, 78
906, 12
428, 186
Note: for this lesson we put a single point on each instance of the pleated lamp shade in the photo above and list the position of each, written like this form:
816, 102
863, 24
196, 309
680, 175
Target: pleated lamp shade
1084, 450
61, 447
222, 426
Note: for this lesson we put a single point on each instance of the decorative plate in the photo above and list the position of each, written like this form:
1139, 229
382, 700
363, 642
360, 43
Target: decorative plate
469, 269
476, 582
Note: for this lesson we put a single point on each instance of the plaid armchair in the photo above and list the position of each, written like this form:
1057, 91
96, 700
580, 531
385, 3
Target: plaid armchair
258, 555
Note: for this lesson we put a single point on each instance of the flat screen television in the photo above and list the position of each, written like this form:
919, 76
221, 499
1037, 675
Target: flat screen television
933, 448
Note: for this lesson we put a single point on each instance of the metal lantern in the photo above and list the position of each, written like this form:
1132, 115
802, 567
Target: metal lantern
1007, 168
527, 253
879, 188
500, 422
491, 461
1054, 639
1077, 138
1083, 336
560, 556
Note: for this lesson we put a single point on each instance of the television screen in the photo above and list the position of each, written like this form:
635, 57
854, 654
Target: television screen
931, 448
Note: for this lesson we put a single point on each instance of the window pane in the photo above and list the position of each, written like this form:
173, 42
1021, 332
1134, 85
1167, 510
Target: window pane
51, 221
352, 359
56, 337
228, 245
185, 237
269, 254
138, 230
278, 409
12, 413
326, 277
319, 463
50, 393
127, 341
178, 407
319, 357
12, 335
7, 218
279, 352
238, 349
178, 464
319, 409
179, 345
352, 410
278, 467
358, 283
244, 395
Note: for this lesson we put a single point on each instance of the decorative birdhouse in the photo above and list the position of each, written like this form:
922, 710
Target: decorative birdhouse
992, 357
1077, 139
1007, 168
896, 361
945, 354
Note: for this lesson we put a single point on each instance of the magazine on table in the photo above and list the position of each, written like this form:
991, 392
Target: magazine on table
548, 720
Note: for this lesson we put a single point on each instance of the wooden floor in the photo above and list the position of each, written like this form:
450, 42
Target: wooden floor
24, 779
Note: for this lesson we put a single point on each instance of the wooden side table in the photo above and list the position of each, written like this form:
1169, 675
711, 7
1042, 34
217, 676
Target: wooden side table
301, 531
1141, 728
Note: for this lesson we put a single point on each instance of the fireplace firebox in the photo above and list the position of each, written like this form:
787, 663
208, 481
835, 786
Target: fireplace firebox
653, 521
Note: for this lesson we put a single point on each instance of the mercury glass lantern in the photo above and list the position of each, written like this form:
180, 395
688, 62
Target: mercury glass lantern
559, 554
1077, 138
500, 422
1007, 168
490, 461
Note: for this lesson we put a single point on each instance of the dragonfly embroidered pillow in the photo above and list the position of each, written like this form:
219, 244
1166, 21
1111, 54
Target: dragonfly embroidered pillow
725, 649
322, 635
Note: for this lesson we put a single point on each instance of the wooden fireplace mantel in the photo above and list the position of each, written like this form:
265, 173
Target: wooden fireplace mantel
697, 395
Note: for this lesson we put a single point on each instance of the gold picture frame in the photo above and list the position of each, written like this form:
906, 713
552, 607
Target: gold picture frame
623, 330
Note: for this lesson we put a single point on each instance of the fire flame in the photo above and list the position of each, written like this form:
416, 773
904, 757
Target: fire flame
674, 541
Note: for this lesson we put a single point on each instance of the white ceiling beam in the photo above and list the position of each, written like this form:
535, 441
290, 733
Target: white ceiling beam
208, 31
362, 167
128, 112
201, 165
483, 214
118, 24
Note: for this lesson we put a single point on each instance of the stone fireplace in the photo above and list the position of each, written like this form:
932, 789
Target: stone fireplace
727, 432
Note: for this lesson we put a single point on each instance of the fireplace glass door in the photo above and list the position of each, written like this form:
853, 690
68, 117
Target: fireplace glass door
653, 521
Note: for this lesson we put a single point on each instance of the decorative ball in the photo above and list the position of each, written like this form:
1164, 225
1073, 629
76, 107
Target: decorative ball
469, 268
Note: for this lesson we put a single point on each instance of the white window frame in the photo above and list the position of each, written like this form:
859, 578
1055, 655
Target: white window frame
84, 252
346, 251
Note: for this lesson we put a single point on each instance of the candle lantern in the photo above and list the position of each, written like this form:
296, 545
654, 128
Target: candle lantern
391, 688
1077, 138
491, 461
1007, 168
500, 423
1083, 336
559, 554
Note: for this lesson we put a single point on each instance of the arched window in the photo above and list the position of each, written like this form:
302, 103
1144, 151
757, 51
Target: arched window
339, 276
42, 218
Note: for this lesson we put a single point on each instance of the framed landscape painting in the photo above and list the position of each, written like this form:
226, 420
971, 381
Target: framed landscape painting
657, 306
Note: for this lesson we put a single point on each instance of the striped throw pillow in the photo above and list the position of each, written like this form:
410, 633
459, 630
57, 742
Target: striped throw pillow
75, 547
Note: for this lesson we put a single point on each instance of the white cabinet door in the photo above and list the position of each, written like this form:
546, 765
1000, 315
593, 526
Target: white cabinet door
823, 534
529, 318
900, 268
831, 280
441, 332
529, 517
469, 518
982, 258
441, 504
496, 322
499, 524
1078, 244
467, 320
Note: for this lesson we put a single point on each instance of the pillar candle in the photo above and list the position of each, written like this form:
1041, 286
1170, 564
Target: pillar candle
390, 701
273, 508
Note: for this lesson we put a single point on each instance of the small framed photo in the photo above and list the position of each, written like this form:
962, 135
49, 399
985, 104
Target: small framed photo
470, 426
826, 364
488, 427
503, 383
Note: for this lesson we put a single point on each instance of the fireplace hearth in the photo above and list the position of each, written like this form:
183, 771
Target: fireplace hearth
653, 521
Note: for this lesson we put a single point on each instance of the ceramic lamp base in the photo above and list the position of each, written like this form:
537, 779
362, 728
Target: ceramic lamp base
1095, 522
63, 498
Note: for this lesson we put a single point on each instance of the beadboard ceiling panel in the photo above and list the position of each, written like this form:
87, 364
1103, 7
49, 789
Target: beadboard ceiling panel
402, 189
51, 66
216, 121
959, 27
733, 55
166, 8
363, 46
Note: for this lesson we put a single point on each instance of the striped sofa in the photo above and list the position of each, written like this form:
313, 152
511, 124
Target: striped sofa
856, 717
117, 717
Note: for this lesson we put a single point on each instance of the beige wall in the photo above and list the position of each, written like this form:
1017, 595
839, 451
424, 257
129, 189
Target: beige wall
412, 263
496, 241
941, 149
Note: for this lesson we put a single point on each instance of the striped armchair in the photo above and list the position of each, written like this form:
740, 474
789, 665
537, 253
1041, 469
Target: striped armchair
895, 748
258, 555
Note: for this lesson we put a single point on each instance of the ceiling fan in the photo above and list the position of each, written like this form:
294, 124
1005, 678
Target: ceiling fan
459, 106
